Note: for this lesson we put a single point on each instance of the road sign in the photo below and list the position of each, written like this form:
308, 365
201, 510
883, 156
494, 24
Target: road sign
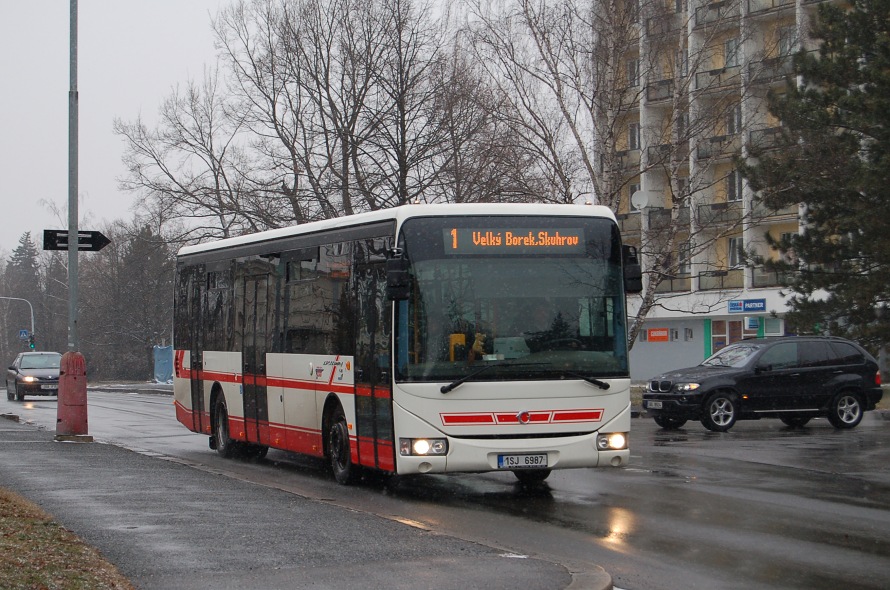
23, 334
87, 241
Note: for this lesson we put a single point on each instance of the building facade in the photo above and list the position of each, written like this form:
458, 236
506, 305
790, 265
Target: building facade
701, 72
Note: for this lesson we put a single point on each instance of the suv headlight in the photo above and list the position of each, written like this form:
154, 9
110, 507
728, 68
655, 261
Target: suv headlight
687, 387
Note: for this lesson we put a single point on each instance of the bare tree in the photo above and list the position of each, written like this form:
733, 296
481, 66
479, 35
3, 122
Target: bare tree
615, 97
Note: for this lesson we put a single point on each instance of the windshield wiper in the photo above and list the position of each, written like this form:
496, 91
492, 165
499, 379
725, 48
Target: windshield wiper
465, 378
592, 380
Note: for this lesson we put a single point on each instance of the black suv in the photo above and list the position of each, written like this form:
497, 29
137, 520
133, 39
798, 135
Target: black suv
793, 378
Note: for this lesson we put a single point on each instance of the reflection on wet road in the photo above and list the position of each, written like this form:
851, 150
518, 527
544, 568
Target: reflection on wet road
761, 506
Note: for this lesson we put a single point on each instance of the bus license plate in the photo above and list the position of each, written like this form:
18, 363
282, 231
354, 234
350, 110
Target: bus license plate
653, 405
522, 461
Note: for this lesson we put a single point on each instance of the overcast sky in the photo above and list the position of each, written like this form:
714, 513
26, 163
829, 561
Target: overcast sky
130, 54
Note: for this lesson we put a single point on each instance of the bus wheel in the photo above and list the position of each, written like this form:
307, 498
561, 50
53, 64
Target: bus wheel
531, 476
225, 446
338, 450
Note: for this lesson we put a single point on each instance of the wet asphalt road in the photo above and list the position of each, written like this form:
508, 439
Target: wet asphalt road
762, 506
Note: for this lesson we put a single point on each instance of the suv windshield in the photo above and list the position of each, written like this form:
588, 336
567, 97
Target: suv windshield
525, 313
735, 355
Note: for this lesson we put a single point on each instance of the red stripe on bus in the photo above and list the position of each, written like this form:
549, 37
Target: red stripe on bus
466, 419
578, 415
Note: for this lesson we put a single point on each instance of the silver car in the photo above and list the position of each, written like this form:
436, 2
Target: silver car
33, 373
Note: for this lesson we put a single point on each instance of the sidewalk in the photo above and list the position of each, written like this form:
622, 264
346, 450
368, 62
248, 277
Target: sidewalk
166, 525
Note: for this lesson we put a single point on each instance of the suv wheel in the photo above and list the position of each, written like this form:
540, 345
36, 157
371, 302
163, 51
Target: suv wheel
720, 412
845, 410
669, 423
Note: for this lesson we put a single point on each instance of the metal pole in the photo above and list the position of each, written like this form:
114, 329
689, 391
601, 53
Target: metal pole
72, 186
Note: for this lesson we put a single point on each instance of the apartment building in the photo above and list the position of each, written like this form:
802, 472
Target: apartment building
702, 71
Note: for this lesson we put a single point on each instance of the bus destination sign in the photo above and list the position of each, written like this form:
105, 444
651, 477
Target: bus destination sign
525, 240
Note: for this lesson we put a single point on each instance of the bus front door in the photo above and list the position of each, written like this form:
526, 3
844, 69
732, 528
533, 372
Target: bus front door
256, 343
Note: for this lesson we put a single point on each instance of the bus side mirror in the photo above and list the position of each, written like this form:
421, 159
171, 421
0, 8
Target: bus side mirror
633, 273
397, 282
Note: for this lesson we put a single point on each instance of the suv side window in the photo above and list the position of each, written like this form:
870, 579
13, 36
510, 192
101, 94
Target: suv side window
780, 356
816, 354
846, 354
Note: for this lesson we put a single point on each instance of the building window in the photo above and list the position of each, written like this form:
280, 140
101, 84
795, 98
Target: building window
683, 189
735, 252
687, 334
683, 62
787, 40
633, 136
772, 327
731, 52
684, 257
734, 120
789, 256
734, 186
633, 72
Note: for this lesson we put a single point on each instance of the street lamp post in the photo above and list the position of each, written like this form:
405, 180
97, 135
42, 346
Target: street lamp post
29, 306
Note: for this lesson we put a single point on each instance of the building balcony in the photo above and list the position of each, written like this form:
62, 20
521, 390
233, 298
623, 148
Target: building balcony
665, 25
759, 6
764, 139
717, 13
720, 214
718, 280
720, 146
657, 154
622, 160
660, 90
725, 77
766, 278
772, 69
674, 284
760, 212
660, 218
629, 222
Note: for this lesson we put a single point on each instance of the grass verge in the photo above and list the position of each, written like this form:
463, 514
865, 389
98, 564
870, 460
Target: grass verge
37, 553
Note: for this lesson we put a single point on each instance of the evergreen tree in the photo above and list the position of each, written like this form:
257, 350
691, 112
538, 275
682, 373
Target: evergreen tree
834, 157
23, 282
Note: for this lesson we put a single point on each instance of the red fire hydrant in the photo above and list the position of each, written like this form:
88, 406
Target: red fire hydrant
71, 418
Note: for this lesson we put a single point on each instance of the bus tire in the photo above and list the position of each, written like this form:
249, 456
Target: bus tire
339, 452
225, 446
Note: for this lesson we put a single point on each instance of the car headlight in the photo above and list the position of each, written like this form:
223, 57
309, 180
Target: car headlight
613, 441
684, 387
422, 446
29, 379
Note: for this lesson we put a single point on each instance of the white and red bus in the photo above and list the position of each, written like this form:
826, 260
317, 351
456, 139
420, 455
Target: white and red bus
419, 339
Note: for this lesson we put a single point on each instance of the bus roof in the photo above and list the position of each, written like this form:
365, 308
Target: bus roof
399, 214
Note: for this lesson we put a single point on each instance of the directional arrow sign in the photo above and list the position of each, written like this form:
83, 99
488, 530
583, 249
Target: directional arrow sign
87, 241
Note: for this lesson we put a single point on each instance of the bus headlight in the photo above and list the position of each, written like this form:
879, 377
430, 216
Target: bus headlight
422, 446
614, 441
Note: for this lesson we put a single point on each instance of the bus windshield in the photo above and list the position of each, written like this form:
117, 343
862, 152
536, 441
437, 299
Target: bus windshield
548, 306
